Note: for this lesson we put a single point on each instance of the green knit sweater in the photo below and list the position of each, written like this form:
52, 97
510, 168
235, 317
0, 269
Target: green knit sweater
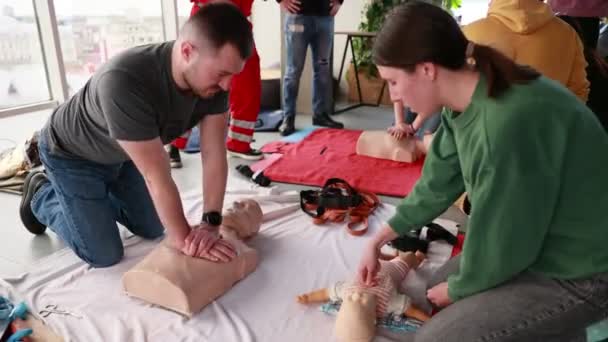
535, 165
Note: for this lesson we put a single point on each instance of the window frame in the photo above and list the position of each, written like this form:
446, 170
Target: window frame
52, 55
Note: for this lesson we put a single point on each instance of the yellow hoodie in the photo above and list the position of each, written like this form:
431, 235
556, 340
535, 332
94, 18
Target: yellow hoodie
529, 33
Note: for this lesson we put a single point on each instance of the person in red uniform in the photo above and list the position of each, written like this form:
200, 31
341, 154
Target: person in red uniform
245, 94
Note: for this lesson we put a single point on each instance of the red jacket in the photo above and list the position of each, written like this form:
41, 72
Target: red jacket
243, 5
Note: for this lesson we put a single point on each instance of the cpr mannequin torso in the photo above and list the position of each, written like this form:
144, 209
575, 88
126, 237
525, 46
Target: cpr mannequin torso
170, 279
380, 144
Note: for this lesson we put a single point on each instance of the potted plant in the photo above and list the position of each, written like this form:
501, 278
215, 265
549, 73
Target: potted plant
374, 13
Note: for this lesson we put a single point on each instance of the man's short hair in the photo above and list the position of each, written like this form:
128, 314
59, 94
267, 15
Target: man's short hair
221, 23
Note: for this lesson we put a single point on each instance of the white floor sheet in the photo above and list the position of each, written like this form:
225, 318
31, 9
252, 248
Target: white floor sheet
295, 257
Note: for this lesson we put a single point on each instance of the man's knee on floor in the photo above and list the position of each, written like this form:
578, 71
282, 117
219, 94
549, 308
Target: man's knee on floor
102, 258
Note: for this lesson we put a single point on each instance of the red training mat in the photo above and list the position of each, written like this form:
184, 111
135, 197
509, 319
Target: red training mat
330, 153
458, 248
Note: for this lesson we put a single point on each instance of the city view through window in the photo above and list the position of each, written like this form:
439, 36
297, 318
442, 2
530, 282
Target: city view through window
22, 72
90, 33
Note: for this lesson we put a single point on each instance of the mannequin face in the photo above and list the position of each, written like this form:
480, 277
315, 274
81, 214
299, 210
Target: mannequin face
244, 218
243, 207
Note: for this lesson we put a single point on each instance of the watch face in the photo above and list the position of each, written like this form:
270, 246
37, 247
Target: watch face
213, 218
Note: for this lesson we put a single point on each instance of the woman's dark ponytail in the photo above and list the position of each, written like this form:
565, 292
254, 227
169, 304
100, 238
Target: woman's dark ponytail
499, 70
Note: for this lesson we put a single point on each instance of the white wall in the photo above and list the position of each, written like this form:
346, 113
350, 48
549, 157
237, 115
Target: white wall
472, 10
266, 19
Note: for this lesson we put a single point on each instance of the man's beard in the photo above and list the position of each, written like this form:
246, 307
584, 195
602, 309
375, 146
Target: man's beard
205, 93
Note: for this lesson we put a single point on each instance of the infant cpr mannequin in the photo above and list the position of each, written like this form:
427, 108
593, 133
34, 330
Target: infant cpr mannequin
356, 320
361, 305
380, 144
184, 284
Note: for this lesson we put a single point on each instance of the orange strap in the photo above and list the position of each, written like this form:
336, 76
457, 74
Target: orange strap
358, 215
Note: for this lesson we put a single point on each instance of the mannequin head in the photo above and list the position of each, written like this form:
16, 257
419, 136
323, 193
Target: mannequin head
380, 144
243, 219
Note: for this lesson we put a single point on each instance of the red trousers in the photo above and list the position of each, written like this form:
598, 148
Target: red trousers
245, 94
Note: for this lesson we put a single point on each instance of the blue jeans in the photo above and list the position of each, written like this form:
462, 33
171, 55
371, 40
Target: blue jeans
301, 31
84, 200
429, 126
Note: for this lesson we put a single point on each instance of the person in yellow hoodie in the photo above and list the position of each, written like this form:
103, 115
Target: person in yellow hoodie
529, 33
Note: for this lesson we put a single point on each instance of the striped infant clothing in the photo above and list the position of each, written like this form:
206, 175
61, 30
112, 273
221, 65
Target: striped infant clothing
388, 299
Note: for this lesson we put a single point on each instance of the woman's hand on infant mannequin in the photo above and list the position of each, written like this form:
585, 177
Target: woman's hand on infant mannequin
401, 130
370, 265
204, 242
438, 295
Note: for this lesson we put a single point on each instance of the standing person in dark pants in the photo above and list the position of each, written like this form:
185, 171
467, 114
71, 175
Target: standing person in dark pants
586, 13
584, 17
308, 22
597, 71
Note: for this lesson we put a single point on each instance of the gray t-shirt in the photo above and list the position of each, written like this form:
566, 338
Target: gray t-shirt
132, 97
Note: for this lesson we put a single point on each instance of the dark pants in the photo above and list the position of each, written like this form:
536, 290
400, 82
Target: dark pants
597, 71
587, 28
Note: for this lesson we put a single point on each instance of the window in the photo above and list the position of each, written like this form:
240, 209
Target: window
92, 31
22, 73
471, 10
266, 18
183, 11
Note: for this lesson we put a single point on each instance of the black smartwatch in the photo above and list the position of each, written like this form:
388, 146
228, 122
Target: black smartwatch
212, 218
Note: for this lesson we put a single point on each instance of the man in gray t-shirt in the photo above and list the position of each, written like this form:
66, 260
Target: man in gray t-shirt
130, 98
103, 149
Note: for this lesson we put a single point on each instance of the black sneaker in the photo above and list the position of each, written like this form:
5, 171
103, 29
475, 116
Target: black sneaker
252, 154
32, 183
466, 205
174, 157
287, 126
325, 121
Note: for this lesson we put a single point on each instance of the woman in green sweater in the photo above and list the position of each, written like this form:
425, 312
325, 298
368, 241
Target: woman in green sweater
532, 157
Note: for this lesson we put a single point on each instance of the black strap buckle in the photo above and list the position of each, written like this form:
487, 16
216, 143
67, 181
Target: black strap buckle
335, 194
